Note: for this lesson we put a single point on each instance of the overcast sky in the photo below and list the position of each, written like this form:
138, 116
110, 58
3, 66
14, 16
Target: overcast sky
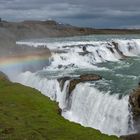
93, 13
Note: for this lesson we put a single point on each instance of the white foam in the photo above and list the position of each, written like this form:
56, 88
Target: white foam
93, 108
89, 106
99, 51
129, 47
47, 87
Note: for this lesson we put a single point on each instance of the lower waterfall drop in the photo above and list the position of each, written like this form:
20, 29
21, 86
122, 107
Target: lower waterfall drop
93, 108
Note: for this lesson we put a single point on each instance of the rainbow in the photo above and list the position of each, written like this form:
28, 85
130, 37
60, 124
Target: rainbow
10, 61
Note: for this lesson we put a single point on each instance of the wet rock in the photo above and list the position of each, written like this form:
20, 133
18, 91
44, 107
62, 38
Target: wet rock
134, 103
131, 137
59, 111
75, 81
83, 78
84, 48
60, 66
99, 54
134, 100
62, 81
84, 53
90, 77
117, 49
111, 49
73, 84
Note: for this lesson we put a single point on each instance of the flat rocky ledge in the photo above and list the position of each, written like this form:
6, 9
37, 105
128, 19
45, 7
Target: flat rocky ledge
77, 80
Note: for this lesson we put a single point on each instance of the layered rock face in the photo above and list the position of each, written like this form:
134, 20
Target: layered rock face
131, 137
134, 100
116, 45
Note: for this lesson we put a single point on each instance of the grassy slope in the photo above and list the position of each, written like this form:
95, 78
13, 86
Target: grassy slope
25, 114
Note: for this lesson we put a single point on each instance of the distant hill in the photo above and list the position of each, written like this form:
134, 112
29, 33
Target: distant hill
50, 28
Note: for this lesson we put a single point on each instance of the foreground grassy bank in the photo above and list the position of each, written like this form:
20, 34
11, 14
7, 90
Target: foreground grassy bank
25, 114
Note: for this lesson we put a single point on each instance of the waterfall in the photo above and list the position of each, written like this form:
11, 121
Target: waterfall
88, 54
97, 109
87, 104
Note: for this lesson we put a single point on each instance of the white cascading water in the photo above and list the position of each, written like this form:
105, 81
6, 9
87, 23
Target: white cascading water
70, 53
93, 108
87, 105
129, 48
47, 87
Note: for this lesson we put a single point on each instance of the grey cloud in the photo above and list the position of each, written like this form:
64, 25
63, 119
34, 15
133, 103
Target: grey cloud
95, 13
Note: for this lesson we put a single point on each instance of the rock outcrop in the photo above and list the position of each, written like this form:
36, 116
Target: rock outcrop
62, 81
134, 100
134, 103
131, 137
75, 81
116, 45
3, 76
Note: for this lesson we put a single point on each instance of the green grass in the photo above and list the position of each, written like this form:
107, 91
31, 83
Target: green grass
25, 114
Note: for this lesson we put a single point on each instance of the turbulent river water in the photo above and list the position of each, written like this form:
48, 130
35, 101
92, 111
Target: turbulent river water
102, 104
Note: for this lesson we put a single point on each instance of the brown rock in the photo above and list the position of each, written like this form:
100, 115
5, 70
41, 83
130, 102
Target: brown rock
90, 77
117, 49
83, 78
134, 100
75, 81
73, 84
62, 81
131, 137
